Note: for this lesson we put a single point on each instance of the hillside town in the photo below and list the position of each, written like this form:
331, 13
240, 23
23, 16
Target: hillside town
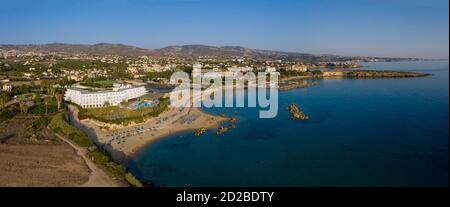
36, 65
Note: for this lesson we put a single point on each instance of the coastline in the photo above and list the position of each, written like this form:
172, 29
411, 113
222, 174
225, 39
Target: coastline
157, 162
204, 120
122, 142
173, 121
153, 129
148, 142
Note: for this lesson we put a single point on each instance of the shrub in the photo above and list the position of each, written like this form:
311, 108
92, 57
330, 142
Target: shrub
40, 109
132, 180
6, 114
317, 72
59, 124
40, 122
99, 157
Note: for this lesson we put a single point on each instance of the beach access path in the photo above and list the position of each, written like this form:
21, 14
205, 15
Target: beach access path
97, 177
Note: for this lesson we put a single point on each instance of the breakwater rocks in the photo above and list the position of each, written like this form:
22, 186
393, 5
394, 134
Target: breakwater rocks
224, 129
297, 113
231, 125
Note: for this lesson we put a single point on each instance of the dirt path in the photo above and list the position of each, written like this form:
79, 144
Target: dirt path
98, 177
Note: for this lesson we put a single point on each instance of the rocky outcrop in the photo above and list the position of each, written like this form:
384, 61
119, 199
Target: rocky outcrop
288, 85
297, 113
382, 74
200, 131
224, 129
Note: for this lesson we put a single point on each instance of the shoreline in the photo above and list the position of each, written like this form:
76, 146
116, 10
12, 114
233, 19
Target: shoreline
123, 142
217, 120
123, 148
147, 144
175, 120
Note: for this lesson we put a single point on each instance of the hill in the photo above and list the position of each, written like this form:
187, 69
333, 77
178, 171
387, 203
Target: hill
96, 49
182, 51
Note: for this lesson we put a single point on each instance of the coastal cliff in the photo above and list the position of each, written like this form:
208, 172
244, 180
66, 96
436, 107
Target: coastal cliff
382, 74
375, 74
307, 79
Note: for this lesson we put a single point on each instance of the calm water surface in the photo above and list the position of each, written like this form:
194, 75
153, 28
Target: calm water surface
362, 132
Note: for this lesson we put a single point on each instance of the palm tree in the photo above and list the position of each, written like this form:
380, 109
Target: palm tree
59, 98
51, 90
47, 101
141, 112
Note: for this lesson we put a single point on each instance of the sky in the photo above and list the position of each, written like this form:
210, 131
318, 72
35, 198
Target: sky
384, 28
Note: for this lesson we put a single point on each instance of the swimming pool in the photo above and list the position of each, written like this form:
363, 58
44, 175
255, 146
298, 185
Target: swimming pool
142, 104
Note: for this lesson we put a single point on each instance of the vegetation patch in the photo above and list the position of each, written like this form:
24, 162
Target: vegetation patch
60, 125
6, 114
97, 83
133, 180
120, 115
290, 73
42, 108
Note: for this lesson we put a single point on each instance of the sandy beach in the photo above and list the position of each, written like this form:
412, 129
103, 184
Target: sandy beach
124, 141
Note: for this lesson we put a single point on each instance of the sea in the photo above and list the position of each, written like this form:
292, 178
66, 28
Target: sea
361, 132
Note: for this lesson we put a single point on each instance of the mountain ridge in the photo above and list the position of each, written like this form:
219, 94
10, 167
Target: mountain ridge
93, 49
191, 50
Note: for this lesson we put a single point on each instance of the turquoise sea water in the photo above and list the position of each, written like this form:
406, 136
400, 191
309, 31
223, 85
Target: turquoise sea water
362, 132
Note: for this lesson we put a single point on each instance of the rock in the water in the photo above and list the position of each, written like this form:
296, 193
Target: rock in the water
297, 113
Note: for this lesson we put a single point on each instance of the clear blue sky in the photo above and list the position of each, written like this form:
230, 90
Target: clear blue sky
408, 28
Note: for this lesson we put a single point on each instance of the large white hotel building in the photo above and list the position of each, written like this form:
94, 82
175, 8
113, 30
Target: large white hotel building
93, 99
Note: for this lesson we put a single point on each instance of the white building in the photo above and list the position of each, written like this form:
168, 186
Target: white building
90, 99
270, 69
240, 69
7, 87
196, 68
299, 68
